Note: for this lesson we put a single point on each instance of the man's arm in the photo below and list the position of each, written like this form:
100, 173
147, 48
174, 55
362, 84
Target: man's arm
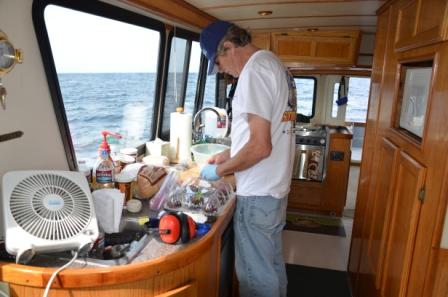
256, 149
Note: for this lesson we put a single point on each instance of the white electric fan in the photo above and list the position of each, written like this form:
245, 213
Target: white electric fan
47, 211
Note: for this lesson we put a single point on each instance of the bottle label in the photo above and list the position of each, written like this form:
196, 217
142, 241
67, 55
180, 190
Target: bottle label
104, 176
104, 155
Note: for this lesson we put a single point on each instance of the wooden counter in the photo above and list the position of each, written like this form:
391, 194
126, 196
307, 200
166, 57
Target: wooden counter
191, 271
341, 132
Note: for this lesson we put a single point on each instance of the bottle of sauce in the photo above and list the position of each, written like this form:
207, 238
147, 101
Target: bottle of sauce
103, 171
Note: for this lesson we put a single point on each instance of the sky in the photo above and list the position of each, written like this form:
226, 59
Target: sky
85, 43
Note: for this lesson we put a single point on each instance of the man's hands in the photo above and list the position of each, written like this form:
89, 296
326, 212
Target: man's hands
208, 172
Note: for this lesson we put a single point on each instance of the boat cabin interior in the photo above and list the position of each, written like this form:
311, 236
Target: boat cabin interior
367, 208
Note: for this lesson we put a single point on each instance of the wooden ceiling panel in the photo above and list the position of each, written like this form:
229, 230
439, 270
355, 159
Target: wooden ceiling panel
296, 10
359, 14
207, 4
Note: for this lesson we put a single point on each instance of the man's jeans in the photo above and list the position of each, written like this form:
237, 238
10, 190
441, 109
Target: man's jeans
258, 224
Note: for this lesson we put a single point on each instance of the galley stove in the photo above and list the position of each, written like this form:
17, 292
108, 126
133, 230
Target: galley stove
311, 152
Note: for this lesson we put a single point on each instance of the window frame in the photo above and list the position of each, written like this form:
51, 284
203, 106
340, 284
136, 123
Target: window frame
190, 37
100, 9
342, 110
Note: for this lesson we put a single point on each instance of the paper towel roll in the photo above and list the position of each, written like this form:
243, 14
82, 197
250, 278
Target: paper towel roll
180, 136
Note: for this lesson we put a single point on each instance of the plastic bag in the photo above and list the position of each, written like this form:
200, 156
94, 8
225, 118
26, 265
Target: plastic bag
211, 203
174, 200
170, 185
198, 196
225, 191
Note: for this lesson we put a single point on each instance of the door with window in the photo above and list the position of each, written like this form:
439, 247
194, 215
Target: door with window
353, 113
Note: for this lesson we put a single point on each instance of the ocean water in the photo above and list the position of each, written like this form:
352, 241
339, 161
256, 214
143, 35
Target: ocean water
124, 103
116, 102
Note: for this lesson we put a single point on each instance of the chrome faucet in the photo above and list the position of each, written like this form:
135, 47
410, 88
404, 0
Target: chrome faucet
198, 127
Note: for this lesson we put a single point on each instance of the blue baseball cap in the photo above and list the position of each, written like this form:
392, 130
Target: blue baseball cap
209, 40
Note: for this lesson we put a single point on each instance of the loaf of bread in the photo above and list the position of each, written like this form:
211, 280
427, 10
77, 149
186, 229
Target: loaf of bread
149, 180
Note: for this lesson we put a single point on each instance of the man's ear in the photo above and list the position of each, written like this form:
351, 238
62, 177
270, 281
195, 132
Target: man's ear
228, 44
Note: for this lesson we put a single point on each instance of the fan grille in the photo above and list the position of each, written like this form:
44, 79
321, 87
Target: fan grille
50, 206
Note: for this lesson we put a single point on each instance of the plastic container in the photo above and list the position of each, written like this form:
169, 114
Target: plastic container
84, 169
124, 184
125, 160
129, 151
216, 127
202, 152
158, 148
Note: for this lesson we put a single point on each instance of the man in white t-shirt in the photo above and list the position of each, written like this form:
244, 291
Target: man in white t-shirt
261, 155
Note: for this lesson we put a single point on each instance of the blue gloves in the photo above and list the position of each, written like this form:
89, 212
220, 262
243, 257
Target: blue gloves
208, 172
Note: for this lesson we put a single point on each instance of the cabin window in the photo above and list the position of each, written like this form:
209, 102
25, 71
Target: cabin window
182, 78
413, 98
102, 65
210, 91
358, 100
193, 77
306, 96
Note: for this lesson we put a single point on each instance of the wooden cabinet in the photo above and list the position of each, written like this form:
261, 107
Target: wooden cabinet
421, 22
394, 213
380, 215
336, 48
261, 40
402, 194
328, 196
405, 213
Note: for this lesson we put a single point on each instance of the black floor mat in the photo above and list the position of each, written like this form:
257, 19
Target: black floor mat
306, 281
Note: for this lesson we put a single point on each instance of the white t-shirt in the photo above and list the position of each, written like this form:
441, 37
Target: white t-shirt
266, 89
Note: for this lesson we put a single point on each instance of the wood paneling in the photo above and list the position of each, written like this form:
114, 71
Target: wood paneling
441, 277
297, 69
335, 194
366, 171
262, 40
403, 226
407, 19
382, 202
176, 10
411, 263
420, 23
332, 47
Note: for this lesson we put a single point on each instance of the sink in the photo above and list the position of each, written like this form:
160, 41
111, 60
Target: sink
203, 151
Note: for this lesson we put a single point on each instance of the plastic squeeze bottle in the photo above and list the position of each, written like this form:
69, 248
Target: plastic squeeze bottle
82, 167
103, 170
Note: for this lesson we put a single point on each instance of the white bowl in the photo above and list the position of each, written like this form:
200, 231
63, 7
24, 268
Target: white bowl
203, 151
